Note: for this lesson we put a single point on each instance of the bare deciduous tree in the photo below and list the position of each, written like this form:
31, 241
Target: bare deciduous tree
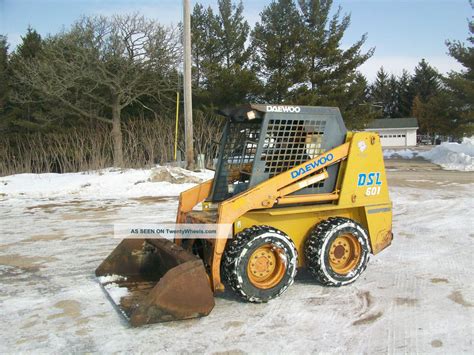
103, 65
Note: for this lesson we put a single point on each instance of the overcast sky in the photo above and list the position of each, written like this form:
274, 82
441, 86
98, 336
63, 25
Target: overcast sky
402, 31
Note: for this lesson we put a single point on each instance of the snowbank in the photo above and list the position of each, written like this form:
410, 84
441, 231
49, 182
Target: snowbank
453, 156
450, 156
103, 184
170, 181
405, 154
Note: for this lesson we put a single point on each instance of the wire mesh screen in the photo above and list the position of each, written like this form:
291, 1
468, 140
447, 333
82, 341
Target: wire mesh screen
237, 157
291, 142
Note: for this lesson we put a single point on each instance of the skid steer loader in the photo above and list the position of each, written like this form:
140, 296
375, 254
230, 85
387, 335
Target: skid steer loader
296, 189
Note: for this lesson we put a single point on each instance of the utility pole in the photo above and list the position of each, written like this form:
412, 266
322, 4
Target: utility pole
188, 100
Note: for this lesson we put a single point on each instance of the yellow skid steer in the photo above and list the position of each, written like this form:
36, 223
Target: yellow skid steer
296, 189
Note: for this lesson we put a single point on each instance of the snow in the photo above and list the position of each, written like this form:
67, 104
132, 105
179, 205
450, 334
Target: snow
417, 296
453, 156
116, 292
450, 156
404, 153
111, 278
102, 184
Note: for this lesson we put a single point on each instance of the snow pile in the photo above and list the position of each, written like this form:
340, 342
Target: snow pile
173, 175
452, 156
103, 184
405, 154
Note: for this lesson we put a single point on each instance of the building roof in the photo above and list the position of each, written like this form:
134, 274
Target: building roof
409, 122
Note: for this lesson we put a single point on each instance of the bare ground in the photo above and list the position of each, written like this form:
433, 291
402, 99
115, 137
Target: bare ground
415, 297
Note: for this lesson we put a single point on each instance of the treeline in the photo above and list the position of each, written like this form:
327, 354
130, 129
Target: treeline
443, 105
293, 55
103, 92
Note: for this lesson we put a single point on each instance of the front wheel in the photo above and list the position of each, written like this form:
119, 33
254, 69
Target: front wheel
260, 263
337, 251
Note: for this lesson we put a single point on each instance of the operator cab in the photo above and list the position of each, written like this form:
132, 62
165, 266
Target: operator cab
261, 141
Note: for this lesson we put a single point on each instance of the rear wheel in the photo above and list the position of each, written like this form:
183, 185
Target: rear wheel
337, 251
260, 263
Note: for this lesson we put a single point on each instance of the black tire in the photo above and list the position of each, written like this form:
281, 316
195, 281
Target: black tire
318, 247
237, 257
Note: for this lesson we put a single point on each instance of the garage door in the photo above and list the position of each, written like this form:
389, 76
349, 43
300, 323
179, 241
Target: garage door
393, 140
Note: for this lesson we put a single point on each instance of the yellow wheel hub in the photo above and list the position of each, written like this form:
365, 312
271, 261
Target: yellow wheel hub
265, 267
344, 254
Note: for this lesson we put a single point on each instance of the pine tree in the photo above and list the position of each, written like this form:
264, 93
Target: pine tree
326, 63
461, 84
27, 113
426, 81
394, 92
426, 89
232, 33
380, 93
393, 95
221, 65
30, 45
4, 74
329, 71
276, 44
205, 46
405, 95
354, 103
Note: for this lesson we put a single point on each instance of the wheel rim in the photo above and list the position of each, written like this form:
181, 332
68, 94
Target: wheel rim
344, 254
266, 266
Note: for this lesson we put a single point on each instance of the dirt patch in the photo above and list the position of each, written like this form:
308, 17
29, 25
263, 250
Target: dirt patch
366, 298
437, 280
436, 343
153, 199
46, 206
232, 324
45, 237
96, 208
230, 352
82, 332
26, 263
406, 235
365, 303
369, 319
423, 174
405, 301
96, 214
38, 339
456, 297
316, 301
29, 324
70, 308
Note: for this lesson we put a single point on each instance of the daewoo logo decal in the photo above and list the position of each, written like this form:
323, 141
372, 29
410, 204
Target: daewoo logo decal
292, 109
313, 165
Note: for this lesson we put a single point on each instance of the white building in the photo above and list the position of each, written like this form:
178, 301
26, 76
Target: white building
395, 132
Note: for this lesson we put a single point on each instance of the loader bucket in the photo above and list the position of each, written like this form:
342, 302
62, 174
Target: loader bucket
155, 280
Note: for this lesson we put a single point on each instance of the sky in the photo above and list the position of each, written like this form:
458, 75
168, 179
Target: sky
402, 31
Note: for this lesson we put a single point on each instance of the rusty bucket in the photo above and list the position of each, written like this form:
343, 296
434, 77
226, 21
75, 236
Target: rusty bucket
155, 280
